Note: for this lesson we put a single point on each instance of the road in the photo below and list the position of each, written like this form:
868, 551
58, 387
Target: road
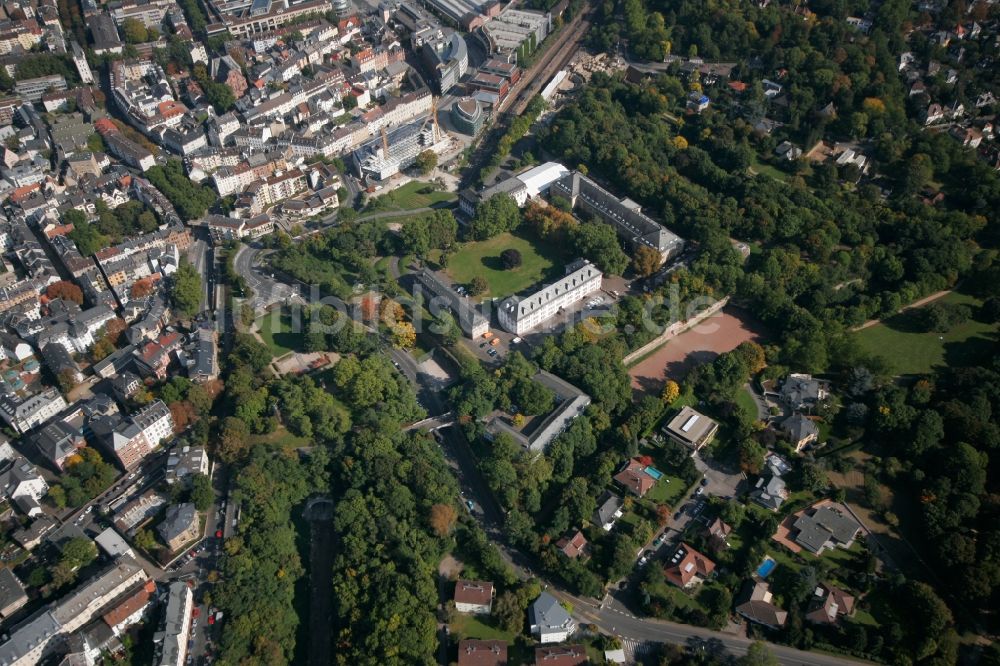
612, 619
915, 304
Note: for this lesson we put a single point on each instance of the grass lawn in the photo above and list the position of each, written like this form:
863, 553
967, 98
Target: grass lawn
482, 258
410, 197
280, 439
746, 402
668, 490
276, 332
472, 626
768, 170
912, 352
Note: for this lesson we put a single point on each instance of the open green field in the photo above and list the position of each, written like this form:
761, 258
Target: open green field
276, 332
483, 258
280, 439
913, 352
410, 197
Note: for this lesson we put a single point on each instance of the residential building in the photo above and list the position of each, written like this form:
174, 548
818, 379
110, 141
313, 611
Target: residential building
801, 430
138, 511
185, 463
691, 429
20, 479
131, 439
688, 567
482, 653
474, 596
829, 604
561, 655
572, 545
570, 403
12, 595
125, 385
770, 492
227, 228
130, 608
444, 298
172, 639
550, 623
823, 528
520, 314
40, 636
634, 478
801, 392
609, 509
23, 414
33, 89
755, 605
113, 545
718, 534
626, 216
179, 526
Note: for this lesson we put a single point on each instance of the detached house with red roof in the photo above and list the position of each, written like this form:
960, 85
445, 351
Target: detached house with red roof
474, 596
561, 655
482, 653
634, 478
688, 567
573, 545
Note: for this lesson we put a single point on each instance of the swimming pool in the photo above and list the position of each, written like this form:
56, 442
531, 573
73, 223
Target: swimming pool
653, 472
766, 567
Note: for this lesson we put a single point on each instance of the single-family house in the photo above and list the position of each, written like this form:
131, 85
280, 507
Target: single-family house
801, 392
474, 596
756, 606
482, 653
561, 655
829, 604
572, 545
550, 623
634, 478
687, 567
609, 509
718, 534
823, 528
801, 430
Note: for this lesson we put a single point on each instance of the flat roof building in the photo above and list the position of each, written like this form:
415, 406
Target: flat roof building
470, 319
692, 429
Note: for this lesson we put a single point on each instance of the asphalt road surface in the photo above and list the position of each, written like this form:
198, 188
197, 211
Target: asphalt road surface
612, 619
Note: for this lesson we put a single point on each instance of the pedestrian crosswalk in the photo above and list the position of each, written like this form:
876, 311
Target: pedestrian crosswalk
636, 650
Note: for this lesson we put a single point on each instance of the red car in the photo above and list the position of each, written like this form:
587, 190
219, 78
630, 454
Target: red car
196, 612
218, 534
211, 619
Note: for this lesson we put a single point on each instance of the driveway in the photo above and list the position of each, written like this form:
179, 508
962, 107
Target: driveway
722, 481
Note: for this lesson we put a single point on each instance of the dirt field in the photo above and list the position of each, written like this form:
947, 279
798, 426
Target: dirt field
717, 334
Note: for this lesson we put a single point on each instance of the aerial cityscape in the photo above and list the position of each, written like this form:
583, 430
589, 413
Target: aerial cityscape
489, 332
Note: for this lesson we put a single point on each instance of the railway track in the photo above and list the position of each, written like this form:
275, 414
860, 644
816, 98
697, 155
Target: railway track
555, 58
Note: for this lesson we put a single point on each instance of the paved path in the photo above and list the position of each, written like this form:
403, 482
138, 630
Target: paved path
914, 304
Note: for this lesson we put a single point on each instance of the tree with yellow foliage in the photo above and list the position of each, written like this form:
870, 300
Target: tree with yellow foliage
680, 143
671, 391
404, 335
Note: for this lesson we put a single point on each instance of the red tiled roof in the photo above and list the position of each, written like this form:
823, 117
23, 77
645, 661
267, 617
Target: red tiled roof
634, 478
561, 655
473, 592
572, 546
130, 604
482, 653
691, 564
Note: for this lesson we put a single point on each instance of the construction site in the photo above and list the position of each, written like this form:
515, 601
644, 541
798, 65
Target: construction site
396, 149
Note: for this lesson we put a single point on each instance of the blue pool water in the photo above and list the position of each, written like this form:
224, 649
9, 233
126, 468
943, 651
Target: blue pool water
766, 567
653, 472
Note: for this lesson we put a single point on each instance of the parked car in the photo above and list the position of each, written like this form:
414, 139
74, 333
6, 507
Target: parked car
700, 490
704, 482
